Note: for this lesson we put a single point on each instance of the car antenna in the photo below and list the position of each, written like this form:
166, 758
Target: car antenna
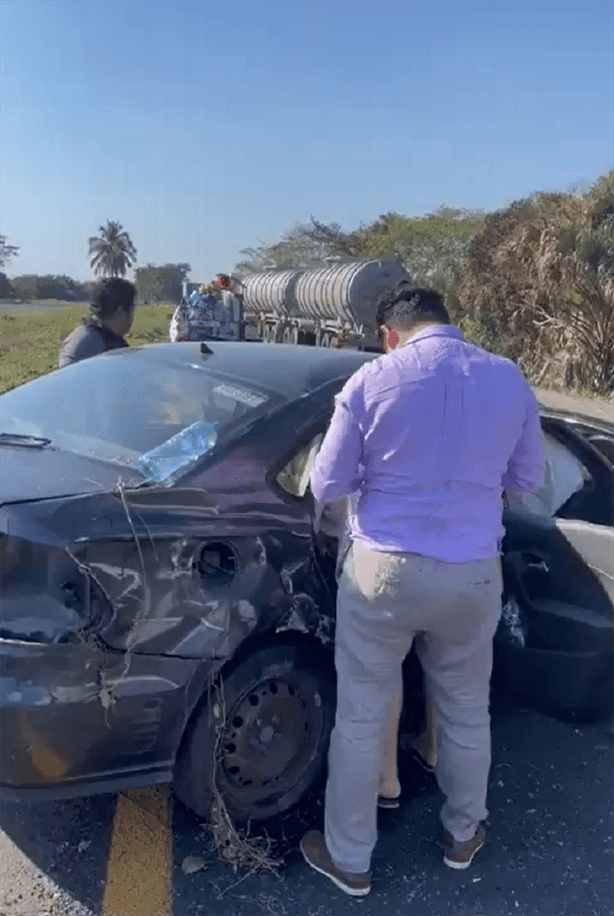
204, 349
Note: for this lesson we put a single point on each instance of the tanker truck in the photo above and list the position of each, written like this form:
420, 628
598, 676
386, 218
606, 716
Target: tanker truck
322, 306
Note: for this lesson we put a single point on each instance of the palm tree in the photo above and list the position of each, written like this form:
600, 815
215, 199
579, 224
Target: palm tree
113, 251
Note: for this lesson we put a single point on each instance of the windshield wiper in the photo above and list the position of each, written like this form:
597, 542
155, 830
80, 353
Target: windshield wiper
23, 440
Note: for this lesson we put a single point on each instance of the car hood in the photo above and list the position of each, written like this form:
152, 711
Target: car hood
31, 474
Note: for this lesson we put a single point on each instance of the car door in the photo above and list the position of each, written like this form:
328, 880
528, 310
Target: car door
555, 643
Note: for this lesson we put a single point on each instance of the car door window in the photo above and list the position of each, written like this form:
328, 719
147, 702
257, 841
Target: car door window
294, 476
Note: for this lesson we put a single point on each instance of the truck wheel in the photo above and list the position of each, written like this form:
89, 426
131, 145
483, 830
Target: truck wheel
269, 725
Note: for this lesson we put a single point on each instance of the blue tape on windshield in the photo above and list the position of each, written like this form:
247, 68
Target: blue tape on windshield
164, 463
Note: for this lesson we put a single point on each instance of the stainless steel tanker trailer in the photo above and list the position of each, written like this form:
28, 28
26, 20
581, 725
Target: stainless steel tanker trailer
320, 306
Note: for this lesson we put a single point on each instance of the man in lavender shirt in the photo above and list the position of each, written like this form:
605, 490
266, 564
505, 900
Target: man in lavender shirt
427, 436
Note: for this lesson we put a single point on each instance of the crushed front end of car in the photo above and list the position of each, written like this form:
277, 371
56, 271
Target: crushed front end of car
77, 716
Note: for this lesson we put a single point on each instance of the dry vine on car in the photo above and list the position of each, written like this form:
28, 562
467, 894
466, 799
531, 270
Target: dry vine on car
246, 853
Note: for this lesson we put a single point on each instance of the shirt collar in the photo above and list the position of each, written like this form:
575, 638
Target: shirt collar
435, 330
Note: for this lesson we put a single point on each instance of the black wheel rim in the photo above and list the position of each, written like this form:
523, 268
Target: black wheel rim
272, 736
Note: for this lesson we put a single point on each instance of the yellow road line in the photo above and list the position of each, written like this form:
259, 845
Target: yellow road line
139, 861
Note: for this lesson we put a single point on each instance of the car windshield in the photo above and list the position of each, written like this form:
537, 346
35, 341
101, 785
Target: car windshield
134, 410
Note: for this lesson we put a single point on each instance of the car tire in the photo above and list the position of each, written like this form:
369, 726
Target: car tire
274, 712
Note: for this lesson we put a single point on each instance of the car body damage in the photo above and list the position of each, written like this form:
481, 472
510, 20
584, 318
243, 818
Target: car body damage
141, 573
75, 719
112, 613
120, 604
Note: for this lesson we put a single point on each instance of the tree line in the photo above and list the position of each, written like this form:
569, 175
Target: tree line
111, 253
431, 246
533, 281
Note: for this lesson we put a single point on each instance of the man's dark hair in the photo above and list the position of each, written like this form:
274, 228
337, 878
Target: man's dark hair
110, 295
405, 305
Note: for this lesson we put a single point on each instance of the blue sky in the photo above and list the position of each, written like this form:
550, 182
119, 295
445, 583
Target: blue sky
205, 127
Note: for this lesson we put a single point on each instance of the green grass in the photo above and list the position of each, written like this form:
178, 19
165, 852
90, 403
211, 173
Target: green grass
30, 339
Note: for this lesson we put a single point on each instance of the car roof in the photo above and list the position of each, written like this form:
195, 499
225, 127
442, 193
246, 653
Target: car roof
286, 369
289, 370
598, 424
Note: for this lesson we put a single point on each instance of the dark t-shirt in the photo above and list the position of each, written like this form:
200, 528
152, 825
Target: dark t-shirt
88, 339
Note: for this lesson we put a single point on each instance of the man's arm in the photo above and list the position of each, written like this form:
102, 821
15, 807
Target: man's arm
525, 469
336, 470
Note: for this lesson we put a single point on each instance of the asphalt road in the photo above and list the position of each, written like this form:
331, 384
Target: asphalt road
8, 305
549, 851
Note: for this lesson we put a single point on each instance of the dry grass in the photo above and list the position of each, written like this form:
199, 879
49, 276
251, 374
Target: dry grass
249, 854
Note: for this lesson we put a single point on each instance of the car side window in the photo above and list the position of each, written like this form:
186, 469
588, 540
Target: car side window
295, 474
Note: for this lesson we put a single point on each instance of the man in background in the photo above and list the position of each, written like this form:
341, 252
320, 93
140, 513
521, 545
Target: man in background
179, 327
428, 436
107, 324
231, 326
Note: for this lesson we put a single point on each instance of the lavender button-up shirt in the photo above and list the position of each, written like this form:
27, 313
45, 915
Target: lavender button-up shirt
428, 437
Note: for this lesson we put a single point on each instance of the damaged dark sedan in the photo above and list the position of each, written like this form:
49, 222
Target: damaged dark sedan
167, 606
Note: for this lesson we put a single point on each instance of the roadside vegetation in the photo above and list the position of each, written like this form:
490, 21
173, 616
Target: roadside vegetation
533, 282
30, 340
537, 285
